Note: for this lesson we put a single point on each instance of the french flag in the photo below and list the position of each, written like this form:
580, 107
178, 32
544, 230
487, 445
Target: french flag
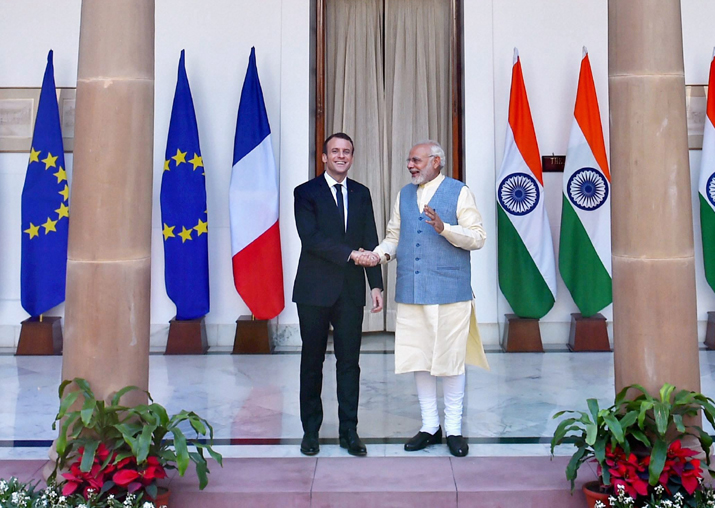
253, 205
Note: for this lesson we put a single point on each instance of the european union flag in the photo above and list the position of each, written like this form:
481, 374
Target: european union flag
45, 208
183, 209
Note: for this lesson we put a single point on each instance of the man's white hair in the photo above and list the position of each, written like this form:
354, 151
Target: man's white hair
436, 150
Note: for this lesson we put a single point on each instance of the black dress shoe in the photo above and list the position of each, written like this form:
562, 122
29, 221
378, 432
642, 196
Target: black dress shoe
423, 440
350, 440
457, 446
309, 445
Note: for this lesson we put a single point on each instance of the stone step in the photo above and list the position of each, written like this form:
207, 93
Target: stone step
347, 482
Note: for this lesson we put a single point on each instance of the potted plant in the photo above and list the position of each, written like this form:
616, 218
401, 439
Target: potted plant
105, 448
638, 442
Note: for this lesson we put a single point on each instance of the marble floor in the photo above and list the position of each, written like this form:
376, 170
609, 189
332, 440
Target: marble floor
252, 401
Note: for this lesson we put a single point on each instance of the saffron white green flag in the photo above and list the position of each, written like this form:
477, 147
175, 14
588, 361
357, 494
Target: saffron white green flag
585, 246
706, 187
527, 269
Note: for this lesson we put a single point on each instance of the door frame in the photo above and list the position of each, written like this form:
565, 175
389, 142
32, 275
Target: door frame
457, 108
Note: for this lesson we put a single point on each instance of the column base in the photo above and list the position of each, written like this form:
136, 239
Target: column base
187, 337
521, 335
40, 337
251, 337
588, 333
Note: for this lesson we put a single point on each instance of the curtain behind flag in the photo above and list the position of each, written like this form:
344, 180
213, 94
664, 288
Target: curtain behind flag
253, 205
183, 208
706, 187
585, 246
527, 269
45, 208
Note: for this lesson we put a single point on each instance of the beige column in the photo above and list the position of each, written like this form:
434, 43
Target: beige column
654, 303
108, 270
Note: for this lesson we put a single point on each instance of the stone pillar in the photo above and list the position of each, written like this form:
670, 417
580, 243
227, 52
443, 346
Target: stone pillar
654, 302
108, 269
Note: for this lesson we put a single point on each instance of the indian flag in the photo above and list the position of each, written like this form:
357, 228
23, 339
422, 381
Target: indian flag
585, 247
707, 183
527, 270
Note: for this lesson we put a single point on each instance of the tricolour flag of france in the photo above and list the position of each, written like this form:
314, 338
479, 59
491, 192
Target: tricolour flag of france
253, 205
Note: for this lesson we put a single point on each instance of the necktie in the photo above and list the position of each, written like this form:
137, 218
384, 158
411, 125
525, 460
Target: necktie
341, 205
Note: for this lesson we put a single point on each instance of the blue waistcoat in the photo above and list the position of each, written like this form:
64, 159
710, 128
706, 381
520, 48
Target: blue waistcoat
430, 270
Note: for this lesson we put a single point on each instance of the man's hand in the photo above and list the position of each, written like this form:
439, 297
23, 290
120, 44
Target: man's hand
364, 258
376, 300
434, 221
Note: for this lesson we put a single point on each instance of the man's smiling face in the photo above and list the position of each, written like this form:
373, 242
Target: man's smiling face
339, 158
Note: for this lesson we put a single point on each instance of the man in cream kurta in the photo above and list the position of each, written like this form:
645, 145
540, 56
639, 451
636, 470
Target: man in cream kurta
435, 336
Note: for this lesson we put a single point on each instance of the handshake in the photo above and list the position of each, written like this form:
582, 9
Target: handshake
364, 258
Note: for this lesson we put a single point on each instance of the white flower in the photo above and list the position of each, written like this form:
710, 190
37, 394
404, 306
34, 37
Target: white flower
612, 500
600, 504
148, 505
82, 506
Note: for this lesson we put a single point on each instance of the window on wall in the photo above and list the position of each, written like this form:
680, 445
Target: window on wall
388, 73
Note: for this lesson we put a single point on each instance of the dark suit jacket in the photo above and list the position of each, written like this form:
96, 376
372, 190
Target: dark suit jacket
324, 265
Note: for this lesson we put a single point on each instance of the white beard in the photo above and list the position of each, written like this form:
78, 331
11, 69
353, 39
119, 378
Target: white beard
418, 179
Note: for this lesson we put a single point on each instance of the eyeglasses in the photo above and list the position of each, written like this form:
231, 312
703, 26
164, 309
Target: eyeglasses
417, 160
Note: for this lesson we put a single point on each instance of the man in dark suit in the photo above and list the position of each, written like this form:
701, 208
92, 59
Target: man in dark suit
335, 222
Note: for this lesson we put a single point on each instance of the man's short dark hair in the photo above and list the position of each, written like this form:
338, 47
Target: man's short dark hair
339, 135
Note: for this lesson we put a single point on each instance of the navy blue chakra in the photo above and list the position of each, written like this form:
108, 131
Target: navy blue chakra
587, 189
518, 193
710, 189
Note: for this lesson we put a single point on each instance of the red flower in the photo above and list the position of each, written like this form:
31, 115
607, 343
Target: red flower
124, 477
627, 471
125, 473
680, 468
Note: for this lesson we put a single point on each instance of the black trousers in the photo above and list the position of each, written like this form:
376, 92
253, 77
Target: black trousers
346, 318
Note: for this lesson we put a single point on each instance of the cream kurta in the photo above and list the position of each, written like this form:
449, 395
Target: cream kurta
438, 338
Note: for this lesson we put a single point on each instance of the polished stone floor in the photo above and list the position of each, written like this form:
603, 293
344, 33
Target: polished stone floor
252, 401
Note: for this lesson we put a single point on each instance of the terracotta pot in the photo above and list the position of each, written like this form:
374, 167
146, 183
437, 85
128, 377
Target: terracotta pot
162, 498
590, 489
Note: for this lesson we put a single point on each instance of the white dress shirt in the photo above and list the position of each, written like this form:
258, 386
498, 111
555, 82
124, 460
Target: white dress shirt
331, 183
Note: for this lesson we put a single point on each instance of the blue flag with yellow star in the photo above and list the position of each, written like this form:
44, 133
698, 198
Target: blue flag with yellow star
183, 209
45, 208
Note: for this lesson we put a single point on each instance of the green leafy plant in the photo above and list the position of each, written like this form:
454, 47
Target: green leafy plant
638, 433
107, 448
